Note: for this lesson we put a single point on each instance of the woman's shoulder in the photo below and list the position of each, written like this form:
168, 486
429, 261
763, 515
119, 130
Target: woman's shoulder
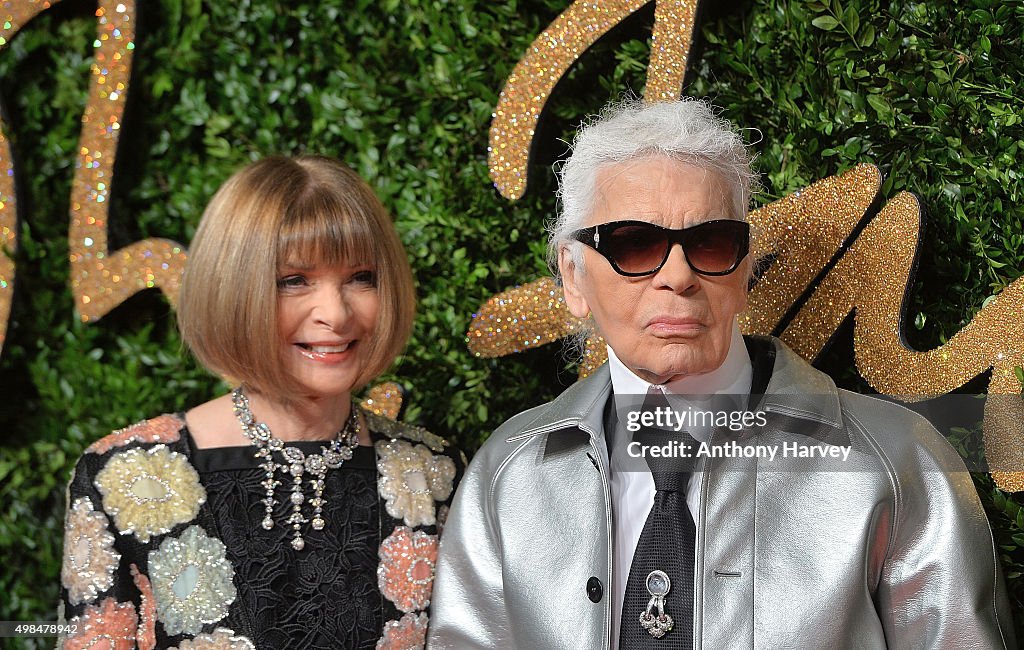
157, 445
141, 477
401, 447
392, 429
162, 429
418, 472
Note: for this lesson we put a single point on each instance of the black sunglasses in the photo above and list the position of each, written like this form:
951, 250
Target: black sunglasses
636, 248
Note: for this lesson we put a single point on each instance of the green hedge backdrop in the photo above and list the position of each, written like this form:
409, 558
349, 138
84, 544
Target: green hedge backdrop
403, 91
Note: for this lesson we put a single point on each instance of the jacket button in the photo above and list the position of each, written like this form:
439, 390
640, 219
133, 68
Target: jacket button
595, 590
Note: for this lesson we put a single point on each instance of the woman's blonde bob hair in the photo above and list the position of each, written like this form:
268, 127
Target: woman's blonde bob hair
307, 209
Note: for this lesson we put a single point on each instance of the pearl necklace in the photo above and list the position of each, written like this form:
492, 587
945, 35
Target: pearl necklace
295, 464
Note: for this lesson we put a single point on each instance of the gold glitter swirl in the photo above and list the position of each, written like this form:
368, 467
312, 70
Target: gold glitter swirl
103, 279
551, 55
595, 353
1004, 447
670, 48
803, 231
14, 15
529, 316
525, 317
8, 235
871, 280
384, 400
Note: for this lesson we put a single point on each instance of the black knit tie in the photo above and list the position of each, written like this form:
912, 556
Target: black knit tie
666, 545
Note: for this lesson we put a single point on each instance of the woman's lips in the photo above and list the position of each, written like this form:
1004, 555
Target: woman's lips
326, 352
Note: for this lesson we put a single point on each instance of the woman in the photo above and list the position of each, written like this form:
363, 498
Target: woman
280, 515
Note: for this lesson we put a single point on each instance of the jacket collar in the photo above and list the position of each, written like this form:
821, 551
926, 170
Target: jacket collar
580, 406
798, 397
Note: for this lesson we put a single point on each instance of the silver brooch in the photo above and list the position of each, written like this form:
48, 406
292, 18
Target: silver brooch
658, 585
295, 464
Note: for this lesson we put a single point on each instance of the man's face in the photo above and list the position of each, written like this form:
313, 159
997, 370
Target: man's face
675, 322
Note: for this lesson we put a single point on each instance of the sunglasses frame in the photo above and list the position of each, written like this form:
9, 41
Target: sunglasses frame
592, 235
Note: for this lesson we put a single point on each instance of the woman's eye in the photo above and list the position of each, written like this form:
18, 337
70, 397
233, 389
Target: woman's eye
365, 277
291, 281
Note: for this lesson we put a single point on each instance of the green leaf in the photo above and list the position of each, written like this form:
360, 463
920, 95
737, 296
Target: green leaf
828, 23
851, 19
881, 106
920, 320
867, 36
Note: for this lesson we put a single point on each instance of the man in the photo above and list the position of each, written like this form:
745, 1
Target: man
559, 539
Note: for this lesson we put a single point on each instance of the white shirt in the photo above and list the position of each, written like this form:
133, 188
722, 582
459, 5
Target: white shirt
632, 492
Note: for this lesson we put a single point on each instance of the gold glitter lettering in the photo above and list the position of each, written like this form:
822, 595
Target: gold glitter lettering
871, 280
551, 55
384, 399
16, 14
803, 231
100, 279
103, 279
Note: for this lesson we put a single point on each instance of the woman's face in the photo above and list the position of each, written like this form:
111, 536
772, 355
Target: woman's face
326, 316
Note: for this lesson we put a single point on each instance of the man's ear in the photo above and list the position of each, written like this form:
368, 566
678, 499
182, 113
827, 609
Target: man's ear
572, 278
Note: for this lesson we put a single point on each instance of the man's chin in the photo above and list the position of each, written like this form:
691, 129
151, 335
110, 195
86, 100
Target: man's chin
665, 375
680, 369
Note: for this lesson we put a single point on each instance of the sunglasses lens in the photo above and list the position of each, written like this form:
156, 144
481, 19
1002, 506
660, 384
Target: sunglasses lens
640, 248
635, 248
716, 247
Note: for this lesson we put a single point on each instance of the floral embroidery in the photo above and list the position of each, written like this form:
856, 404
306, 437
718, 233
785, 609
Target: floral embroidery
220, 639
145, 636
393, 429
109, 624
148, 492
191, 581
407, 633
411, 478
89, 556
164, 428
406, 571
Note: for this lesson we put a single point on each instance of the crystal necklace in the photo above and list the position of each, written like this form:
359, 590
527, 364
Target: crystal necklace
295, 464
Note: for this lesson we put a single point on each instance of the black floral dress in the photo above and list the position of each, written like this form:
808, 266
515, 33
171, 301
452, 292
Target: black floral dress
164, 545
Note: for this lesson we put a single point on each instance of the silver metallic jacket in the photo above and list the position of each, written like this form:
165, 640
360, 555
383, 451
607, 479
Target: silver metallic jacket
891, 551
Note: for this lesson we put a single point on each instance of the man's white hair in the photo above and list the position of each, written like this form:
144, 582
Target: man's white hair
688, 130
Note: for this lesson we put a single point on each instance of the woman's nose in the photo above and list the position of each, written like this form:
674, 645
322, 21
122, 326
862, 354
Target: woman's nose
331, 308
